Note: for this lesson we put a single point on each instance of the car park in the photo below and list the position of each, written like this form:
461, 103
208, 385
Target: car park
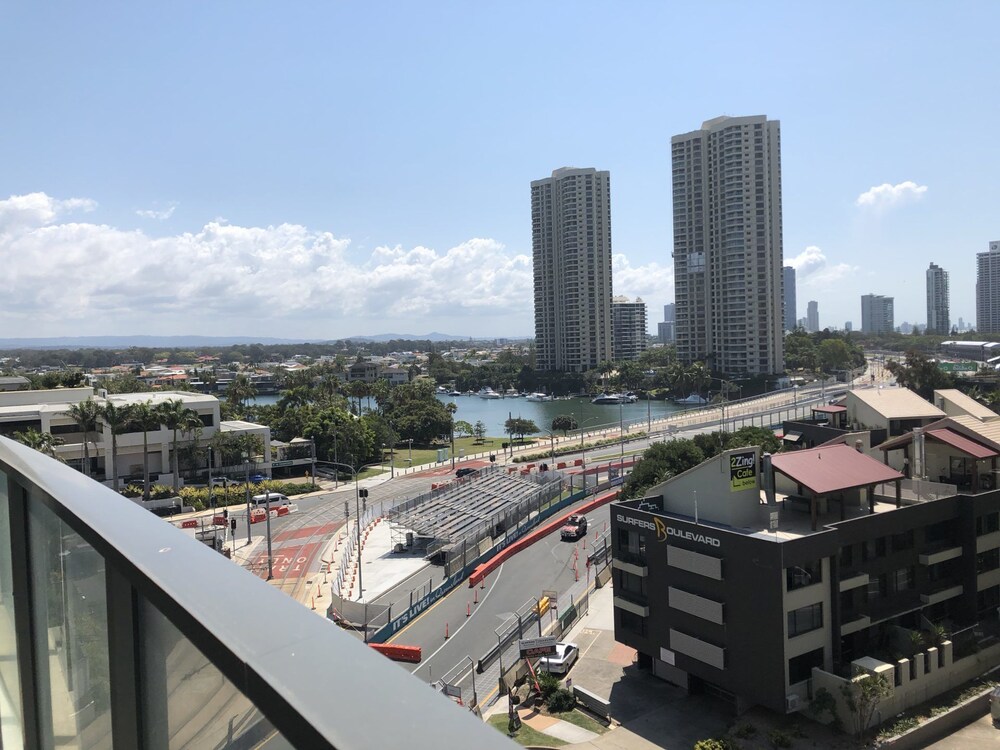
560, 662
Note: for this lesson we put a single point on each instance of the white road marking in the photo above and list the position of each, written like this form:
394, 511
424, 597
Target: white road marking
467, 621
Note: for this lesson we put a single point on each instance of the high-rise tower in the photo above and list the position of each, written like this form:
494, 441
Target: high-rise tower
727, 245
788, 280
571, 251
938, 318
988, 290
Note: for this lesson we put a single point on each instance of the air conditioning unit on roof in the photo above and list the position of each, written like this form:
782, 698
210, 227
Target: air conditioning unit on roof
792, 703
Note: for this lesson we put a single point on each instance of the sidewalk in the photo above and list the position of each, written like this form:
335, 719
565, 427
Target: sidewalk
647, 712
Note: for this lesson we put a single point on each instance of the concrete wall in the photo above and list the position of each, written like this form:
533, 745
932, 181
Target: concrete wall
709, 483
933, 672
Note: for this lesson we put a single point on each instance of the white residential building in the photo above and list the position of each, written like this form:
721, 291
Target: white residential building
877, 314
728, 245
988, 290
571, 256
628, 321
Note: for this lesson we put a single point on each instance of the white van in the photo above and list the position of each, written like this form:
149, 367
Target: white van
276, 500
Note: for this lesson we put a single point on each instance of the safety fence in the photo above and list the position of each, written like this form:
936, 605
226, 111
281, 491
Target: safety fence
347, 568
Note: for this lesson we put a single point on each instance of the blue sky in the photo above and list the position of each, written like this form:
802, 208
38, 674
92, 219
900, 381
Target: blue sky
329, 169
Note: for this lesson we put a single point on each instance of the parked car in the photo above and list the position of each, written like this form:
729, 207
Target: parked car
257, 478
560, 662
576, 527
464, 472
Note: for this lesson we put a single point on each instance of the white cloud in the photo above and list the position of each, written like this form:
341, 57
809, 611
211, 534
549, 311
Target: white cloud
37, 210
651, 281
812, 269
158, 214
885, 195
278, 280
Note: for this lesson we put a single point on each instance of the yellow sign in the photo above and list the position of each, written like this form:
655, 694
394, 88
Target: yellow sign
742, 471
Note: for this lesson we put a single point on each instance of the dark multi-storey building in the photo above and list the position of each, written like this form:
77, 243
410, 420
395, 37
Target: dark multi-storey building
742, 575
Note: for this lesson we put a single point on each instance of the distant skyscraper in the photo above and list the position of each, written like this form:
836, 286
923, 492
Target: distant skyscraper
938, 319
812, 316
876, 314
667, 330
788, 280
727, 245
628, 322
848, 326
571, 252
988, 290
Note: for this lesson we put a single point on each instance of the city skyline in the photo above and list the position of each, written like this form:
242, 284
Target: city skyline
258, 179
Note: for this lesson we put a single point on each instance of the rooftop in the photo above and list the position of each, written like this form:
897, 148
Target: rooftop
832, 468
966, 403
896, 403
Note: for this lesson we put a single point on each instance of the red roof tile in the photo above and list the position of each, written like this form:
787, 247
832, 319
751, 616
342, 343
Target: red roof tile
832, 468
962, 443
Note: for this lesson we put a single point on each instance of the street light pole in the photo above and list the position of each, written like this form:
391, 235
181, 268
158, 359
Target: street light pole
267, 518
247, 485
475, 697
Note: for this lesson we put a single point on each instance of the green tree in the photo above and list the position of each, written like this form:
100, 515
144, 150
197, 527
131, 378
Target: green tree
520, 427
43, 442
800, 351
232, 447
862, 696
117, 418
479, 430
463, 428
240, 392
564, 422
920, 374
145, 418
85, 414
177, 417
711, 443
834, 354
659, 462
125, 383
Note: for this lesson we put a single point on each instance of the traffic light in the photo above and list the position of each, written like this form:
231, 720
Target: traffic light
493, 458
232, 525
225, 513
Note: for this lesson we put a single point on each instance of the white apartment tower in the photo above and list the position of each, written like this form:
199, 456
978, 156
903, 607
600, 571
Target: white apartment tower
877, 314
938, 318
628, 321
988, 290
571, 252
812, 316
727, 245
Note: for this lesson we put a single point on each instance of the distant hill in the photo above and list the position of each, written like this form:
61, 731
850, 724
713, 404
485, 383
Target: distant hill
123, 342
380, 337
194, 342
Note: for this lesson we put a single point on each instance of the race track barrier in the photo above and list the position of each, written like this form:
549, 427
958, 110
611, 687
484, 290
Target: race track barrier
410, 654
501, 557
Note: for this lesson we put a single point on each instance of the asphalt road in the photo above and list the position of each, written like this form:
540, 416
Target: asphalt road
545, 565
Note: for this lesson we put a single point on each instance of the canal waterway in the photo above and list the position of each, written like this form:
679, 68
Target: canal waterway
494, 412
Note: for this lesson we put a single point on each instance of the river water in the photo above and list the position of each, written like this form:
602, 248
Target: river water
494, 412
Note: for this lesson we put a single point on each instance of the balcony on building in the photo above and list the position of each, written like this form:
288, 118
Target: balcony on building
118, 631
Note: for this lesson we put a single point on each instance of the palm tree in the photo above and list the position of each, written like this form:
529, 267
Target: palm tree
43, 442
117, 418
240, 391
176, 417
145, 417
85, 414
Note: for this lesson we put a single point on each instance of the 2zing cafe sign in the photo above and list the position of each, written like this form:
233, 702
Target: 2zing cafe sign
663, 531
742, 471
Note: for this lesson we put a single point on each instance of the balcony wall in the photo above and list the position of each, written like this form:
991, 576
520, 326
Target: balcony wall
122, 632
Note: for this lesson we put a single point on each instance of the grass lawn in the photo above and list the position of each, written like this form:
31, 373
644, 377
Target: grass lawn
525, 736
582, 720
463, 446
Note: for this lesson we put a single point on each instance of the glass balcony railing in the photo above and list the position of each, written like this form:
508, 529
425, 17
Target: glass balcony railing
118, 631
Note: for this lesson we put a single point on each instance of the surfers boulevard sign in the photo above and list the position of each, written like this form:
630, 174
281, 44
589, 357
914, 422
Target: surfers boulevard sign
663, 531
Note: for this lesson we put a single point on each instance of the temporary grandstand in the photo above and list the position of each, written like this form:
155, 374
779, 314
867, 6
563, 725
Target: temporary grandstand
451, 522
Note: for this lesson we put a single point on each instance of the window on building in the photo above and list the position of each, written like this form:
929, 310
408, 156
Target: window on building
800, 667
631, 622
64, 429
207, 419
987, 524
989, 560
805, 619
901, 580
938, 532
847, 557
799, 576
631, 583
902, 541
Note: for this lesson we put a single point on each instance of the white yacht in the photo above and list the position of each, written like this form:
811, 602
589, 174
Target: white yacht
488, 393
540, 397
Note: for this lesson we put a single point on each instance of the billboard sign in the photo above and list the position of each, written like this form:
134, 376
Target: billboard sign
531, 647
742, 471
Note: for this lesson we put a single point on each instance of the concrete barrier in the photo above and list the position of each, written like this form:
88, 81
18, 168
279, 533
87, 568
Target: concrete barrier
593, 703
410, 654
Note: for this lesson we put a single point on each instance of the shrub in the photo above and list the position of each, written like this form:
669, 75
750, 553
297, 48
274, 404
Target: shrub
903, 725
745, 731
779, 738
715, 743
561, 700
548, 683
